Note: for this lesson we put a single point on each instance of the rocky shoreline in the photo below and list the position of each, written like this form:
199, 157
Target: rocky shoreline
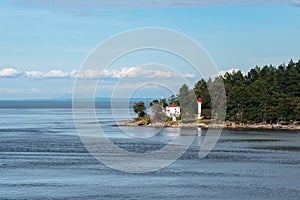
227, 125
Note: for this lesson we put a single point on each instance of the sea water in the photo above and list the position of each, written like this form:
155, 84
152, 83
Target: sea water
42, 157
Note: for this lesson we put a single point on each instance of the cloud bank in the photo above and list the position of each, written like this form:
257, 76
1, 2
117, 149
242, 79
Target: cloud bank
75, 4
9, 72
125, 72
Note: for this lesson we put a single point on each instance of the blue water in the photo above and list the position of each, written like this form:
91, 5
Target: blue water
42, 157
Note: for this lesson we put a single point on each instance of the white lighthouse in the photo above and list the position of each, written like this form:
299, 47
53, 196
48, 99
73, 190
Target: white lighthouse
199, 107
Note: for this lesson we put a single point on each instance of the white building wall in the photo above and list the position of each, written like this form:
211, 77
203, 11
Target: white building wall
173, 111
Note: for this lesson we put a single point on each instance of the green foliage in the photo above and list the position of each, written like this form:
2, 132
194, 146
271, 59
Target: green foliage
201, 91
168, 119
148, 119
263, 95
154, 102
173, 99
163, 102
296, 108
188, 103
158, 114
139, 108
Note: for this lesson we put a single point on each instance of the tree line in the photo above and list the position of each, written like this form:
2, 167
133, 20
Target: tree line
265, 94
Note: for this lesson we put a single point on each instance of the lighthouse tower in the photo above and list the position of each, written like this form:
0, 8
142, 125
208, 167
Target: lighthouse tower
199, 108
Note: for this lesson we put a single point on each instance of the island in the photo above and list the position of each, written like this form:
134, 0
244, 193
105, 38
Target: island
266, 97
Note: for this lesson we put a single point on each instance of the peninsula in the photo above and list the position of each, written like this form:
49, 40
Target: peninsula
266, 97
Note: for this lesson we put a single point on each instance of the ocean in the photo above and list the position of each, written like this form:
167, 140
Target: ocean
42, 157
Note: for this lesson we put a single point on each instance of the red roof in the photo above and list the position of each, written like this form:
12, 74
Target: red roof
173, 105
199, 100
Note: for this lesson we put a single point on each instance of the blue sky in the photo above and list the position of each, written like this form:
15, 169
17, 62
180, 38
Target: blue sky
44, 43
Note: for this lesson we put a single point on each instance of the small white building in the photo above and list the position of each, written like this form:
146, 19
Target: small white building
173, 110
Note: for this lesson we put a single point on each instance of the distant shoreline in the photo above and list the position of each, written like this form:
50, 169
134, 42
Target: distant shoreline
226, 125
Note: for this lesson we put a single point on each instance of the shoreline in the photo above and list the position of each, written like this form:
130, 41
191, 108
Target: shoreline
225, 125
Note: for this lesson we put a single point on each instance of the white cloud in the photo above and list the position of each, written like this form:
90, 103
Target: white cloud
135, 72
9, 72
34, 74
50, 74
56, 74
230, 71
128, 72
125, 72
85, 74
189, 76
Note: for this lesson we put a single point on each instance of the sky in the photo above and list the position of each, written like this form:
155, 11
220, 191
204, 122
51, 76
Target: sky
43, 44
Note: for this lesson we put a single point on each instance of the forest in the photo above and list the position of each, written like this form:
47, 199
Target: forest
265, 94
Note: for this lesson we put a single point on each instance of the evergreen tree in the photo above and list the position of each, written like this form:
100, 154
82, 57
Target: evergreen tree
187, 100
139, 108
264, 95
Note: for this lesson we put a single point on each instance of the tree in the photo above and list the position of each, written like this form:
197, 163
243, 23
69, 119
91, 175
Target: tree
201, 91
173, 99
263, 95
218, 99
158, 114
187, 101
183, 95
154, 102
297, 112
163, 102
139, 108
